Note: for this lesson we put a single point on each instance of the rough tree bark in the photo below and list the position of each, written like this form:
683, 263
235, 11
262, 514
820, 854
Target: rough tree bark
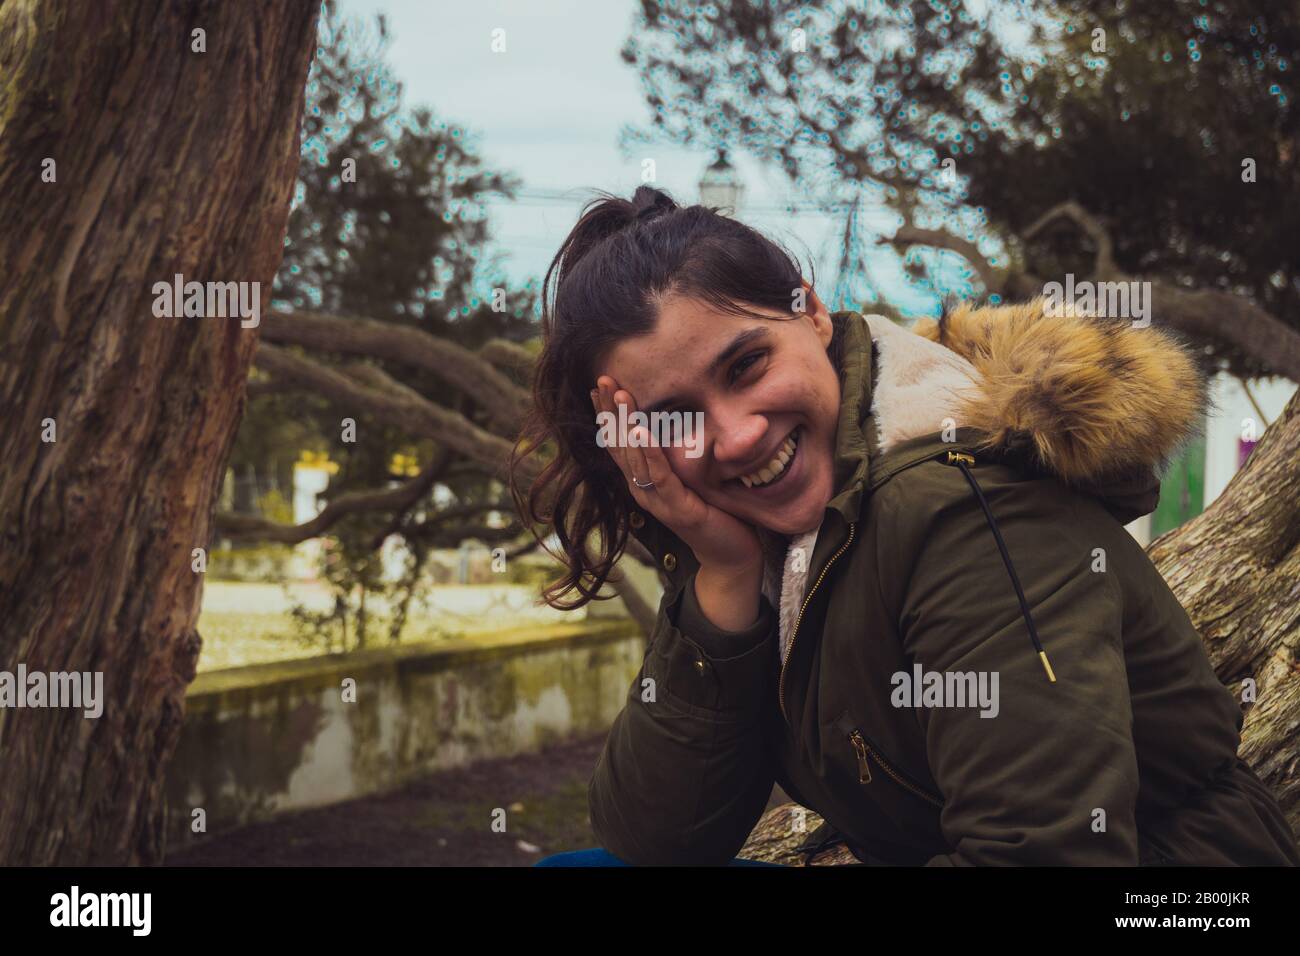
168, 161
1236, 569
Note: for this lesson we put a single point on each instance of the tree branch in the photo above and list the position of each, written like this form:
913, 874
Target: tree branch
1103, 266
508, 355
992, 277
409, 410
1206, 314
1245, 387
433, 473
465, 370
373, 376
1224, 317
353, 502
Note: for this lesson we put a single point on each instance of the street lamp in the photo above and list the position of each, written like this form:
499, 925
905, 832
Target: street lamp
720, 187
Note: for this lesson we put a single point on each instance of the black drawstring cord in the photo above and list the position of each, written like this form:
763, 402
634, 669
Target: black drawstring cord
961, 461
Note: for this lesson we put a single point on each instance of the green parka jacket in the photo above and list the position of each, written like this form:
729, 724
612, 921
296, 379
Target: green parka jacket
1116, 745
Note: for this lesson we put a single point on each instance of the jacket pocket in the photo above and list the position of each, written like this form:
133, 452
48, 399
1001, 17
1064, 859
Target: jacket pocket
873, 765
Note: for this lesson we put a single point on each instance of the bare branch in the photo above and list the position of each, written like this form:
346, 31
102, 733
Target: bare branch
992, 277
465, 370
1233, 319
1245, 387
375, 377
438, 534
412, 412
1104, 264
432, 474
1206, 314
888, 311
352, 502
508, 355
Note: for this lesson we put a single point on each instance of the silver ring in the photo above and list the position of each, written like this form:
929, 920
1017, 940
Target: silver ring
648, 484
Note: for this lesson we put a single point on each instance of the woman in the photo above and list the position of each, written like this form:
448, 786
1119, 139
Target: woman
899, 581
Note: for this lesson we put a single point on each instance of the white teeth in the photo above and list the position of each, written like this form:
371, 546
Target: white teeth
773, 468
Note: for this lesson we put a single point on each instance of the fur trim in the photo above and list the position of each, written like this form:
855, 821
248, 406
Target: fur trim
1087, 397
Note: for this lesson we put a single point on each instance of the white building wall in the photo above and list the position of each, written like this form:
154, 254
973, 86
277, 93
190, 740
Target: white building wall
1233, 414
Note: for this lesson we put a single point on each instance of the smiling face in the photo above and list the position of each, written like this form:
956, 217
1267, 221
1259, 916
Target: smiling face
769, 396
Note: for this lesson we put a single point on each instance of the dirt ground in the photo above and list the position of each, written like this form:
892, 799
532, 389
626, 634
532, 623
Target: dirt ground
444, 819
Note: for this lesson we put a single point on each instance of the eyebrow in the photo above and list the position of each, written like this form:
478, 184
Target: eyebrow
733, 347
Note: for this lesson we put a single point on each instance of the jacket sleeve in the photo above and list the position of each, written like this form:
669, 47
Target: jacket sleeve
685, 774
1051, 778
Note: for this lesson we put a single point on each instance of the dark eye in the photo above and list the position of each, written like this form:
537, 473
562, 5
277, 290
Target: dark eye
745, 363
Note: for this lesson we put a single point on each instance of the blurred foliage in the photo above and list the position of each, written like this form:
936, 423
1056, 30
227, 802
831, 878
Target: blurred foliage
276, 506
403, 243
267, 562
1149, 134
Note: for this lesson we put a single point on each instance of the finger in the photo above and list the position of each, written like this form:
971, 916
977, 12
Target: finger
606, 386
637, 464
634, 462
669, 487
646, 457
637, 459
636, 454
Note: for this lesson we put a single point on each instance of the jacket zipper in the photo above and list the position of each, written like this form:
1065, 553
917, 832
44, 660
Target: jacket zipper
795, 633
863, 748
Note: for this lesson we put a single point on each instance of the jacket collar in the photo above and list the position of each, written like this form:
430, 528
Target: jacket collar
855, 434
896, 390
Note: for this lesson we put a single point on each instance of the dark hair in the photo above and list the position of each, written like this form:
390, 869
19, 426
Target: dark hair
614, 271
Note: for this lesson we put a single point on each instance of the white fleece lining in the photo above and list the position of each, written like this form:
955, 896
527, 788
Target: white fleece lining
918, 386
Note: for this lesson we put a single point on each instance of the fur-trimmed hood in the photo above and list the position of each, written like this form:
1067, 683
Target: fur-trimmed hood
1101, 404
1086, 399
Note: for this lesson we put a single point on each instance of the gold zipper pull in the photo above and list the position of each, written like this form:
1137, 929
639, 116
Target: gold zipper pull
956, 456
864, 771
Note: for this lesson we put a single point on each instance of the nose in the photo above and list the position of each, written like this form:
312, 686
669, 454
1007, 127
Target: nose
737, 436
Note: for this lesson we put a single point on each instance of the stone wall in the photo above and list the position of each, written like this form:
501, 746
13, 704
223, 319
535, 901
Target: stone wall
268, 738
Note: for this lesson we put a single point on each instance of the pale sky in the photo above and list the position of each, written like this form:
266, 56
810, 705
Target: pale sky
549, 110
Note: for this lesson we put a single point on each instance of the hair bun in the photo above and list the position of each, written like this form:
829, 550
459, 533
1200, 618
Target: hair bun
650, 203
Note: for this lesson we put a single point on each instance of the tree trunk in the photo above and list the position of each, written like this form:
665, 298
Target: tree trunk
1236, 569
168, 160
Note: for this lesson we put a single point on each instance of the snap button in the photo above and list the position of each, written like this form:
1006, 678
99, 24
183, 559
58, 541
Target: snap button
670, 562
636, 520
699, 666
